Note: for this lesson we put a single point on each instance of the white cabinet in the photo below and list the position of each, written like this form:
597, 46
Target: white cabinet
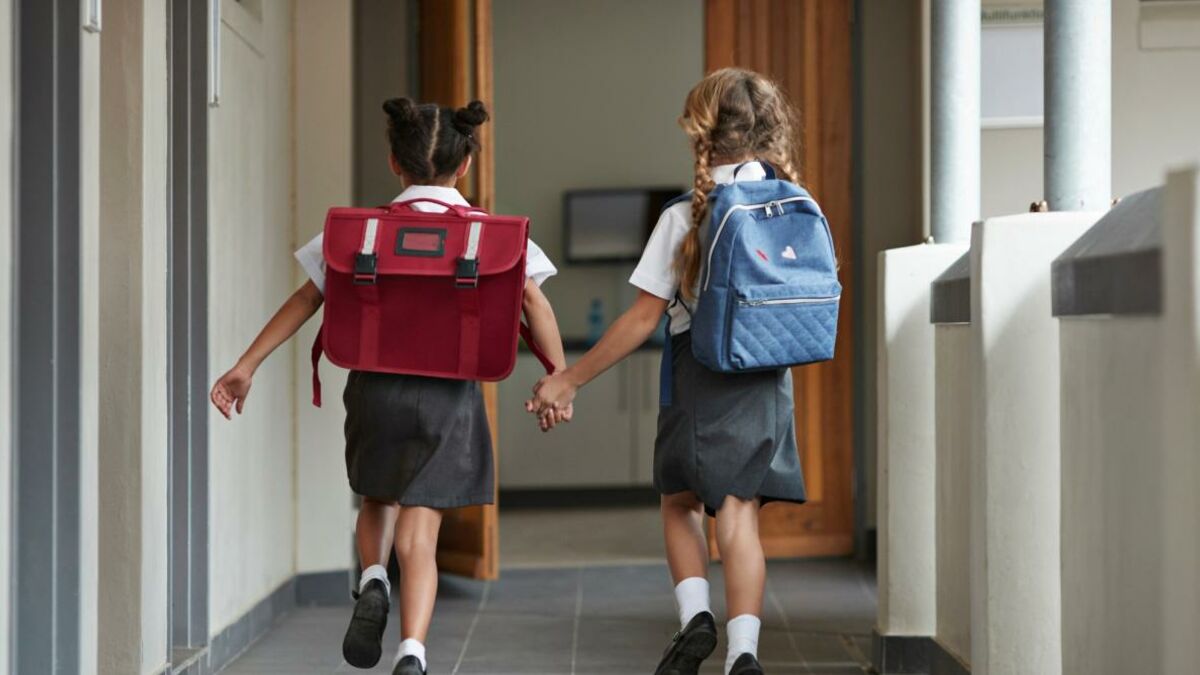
609, 444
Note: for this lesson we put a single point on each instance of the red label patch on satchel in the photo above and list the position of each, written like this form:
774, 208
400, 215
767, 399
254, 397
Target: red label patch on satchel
762, 255
421, 241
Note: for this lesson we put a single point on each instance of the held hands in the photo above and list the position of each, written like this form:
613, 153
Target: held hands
553, 400
230, 391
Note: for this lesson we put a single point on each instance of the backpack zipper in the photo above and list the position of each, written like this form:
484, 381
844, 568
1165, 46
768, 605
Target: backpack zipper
771, 207
789, 301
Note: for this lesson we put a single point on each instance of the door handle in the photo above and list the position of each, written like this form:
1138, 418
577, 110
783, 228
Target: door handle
214, 53
92, 22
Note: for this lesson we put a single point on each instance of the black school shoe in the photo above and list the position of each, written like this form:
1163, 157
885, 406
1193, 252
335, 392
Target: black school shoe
746, 664
690, 647
409, 665
362, 645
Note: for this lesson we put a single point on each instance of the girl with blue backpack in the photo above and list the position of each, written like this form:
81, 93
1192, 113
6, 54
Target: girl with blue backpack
745, 271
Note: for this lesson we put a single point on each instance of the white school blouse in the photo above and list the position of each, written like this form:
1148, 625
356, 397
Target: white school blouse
312, 258
655, 272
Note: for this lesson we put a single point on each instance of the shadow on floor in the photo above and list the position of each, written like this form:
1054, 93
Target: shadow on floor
583, 620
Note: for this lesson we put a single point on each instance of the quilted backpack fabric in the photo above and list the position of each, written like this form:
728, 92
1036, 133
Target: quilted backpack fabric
769, 290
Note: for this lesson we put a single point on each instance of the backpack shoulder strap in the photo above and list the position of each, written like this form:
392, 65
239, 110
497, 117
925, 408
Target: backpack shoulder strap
685, 197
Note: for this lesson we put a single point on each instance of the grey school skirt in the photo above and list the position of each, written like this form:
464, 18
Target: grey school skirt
727, 434
419, 441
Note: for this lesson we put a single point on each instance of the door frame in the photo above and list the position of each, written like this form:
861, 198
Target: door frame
455, 66
187, 326
47, 339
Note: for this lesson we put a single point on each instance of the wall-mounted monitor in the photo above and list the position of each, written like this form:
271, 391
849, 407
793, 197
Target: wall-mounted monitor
611, 225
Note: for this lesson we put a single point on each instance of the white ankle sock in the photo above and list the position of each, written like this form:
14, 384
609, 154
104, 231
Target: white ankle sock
411, 647
691, 596
375, 572
742, 632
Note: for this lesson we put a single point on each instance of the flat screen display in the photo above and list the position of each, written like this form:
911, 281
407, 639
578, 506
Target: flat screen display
611, 225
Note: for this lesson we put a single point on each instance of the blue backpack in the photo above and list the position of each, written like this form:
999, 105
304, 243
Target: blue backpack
769, 290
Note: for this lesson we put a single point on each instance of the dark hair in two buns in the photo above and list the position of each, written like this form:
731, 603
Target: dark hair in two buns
429, 141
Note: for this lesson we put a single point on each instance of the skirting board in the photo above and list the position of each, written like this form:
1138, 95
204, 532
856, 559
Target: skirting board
913, 654
317, 589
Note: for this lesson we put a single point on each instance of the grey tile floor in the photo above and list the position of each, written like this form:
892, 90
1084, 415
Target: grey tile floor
608, 619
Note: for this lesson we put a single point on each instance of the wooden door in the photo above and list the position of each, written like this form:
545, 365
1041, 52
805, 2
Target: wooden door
456, 66
804, 45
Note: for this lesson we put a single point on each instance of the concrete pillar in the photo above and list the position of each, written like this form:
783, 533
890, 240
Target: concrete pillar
1078, 145
954, 119
1180, 556
6, 326
907, 567
1015, 463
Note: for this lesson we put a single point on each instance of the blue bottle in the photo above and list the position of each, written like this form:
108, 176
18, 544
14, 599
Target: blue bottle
595, 321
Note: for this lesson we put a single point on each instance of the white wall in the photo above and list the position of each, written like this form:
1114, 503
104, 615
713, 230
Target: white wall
6, 272
1010, 170
323, 100
154, 393
251, 272
1155, 105
1112, 519
573, 112
953, 529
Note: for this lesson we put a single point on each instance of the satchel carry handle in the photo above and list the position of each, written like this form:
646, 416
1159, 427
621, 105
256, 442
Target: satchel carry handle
456, 209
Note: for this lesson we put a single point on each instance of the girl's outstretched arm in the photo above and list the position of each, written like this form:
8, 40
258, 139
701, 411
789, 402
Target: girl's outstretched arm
625, 334
231, 389
544, 327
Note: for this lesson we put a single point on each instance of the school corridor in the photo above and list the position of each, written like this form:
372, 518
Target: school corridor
607, 619
1000, 460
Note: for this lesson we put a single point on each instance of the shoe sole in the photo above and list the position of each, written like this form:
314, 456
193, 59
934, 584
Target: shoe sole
698, 645
362, 647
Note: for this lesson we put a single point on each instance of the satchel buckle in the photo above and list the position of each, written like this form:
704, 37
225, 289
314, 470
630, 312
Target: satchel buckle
467, 273
365, 268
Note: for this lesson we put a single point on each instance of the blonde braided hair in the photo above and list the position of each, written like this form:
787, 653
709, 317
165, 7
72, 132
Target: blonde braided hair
731, 115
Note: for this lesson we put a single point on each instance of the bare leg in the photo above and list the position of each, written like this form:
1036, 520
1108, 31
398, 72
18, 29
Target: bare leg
742, 556
373, 533
683, 531
416, 547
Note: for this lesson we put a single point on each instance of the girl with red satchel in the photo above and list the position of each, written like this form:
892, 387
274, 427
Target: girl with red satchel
415, 444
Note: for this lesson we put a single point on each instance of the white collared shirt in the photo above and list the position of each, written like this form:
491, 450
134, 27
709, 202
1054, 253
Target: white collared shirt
312, 257
655, 272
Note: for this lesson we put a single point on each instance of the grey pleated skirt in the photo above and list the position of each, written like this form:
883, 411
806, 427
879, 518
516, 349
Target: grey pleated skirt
419, 441
727, 434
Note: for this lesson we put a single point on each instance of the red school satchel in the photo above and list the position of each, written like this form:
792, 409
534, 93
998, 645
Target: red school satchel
417, 293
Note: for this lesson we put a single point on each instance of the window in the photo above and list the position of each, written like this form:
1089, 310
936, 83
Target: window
1011, 61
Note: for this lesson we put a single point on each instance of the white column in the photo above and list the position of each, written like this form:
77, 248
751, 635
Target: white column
1181, 399
907, 568
1078, 162
1015, 464
954, 123
89, 357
